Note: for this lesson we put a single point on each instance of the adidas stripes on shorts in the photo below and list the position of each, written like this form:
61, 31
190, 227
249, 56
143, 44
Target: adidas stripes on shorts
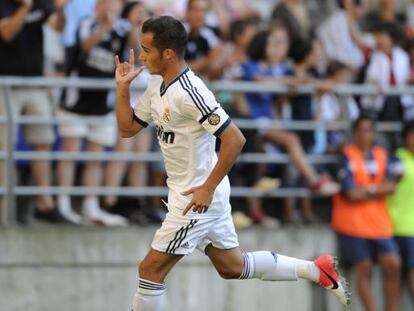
180, 235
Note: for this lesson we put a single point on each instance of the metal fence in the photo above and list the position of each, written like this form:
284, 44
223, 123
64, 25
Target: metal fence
9, 190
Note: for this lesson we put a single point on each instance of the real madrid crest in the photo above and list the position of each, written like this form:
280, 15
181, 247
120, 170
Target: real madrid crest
213, 119
166, 117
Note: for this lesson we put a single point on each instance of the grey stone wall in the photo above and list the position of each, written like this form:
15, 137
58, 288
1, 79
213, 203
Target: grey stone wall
89, 269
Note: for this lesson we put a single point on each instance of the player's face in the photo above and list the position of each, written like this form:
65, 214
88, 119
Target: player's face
150, 55
196, 14
383, 41
108, 10
365, 133
277, 46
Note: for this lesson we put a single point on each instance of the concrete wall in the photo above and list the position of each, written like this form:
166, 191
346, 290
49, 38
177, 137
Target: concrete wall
86, 269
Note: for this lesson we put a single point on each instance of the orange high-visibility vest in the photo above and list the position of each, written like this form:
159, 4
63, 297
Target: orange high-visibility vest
366, 219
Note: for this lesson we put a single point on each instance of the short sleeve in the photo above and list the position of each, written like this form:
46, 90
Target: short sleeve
142, 110
201, 105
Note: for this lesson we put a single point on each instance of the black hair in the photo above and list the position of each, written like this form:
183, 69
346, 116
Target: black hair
169, 33
389, 28
129, 6
257, 47
238, 26
342, 6
334, 67
300, 50
361, 119
407, 129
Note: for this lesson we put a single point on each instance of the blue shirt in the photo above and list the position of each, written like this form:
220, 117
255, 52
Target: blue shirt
75, 11
260, 104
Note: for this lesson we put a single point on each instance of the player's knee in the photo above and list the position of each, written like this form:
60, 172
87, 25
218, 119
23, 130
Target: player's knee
392, 265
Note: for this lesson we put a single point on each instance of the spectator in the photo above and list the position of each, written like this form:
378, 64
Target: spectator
401, 204
337, 33
203, 44
241, 34
360, 217
408, 102
389, 66
294, 15
136, 210
303, 108
330, 108
75, 12
101, 38
21, 51
268, 51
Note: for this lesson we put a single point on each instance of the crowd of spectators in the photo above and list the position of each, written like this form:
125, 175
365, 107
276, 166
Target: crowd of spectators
271, 41
282, 42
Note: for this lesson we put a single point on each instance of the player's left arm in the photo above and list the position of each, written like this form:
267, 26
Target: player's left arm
232, 142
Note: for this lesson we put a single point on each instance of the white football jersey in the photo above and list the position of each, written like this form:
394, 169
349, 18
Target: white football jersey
187, 119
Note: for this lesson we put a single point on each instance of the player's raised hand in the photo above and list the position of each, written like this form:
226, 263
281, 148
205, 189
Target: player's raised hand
201, 200
125, 72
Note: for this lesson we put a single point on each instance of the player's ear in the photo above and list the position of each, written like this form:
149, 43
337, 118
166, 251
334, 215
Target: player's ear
168, 54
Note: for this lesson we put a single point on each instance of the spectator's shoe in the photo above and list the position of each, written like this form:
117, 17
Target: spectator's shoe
241, 221
257, 215
94, 214
68, 213
267, 184
156, 215
325, 186
52, 216
331, 279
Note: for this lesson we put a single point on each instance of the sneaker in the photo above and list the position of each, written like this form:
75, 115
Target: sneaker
241, 221
70, 214
52, 216
331, 279
94, 214
325, 186
267, 184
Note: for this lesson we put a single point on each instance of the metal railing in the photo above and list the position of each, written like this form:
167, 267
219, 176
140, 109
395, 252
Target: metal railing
9, 190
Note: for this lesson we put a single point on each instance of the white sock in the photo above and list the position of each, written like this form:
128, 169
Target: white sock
64, 203
269, 266
307, 270
90, 205
149, 296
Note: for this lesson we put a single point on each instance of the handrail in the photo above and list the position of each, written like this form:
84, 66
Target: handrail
242, 123
152, 191
10, 190
216, 86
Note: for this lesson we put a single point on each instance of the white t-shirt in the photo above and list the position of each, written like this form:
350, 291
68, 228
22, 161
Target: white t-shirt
187, 116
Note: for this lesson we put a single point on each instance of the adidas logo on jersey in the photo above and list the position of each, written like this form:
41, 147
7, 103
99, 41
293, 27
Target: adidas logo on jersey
186, 245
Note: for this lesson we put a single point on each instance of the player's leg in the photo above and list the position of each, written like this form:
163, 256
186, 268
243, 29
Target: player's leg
221, 246
363, 270
152, 272
391, 265
269, 266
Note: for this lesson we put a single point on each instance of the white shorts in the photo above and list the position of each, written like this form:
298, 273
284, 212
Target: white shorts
31, 102
75, 126
180, 235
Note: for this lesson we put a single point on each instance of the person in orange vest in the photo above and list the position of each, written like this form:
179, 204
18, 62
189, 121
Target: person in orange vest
360, 217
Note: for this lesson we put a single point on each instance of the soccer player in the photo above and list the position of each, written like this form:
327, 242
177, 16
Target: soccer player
188, 120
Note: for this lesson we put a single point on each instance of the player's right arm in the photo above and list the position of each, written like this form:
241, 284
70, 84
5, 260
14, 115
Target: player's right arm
125, 73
